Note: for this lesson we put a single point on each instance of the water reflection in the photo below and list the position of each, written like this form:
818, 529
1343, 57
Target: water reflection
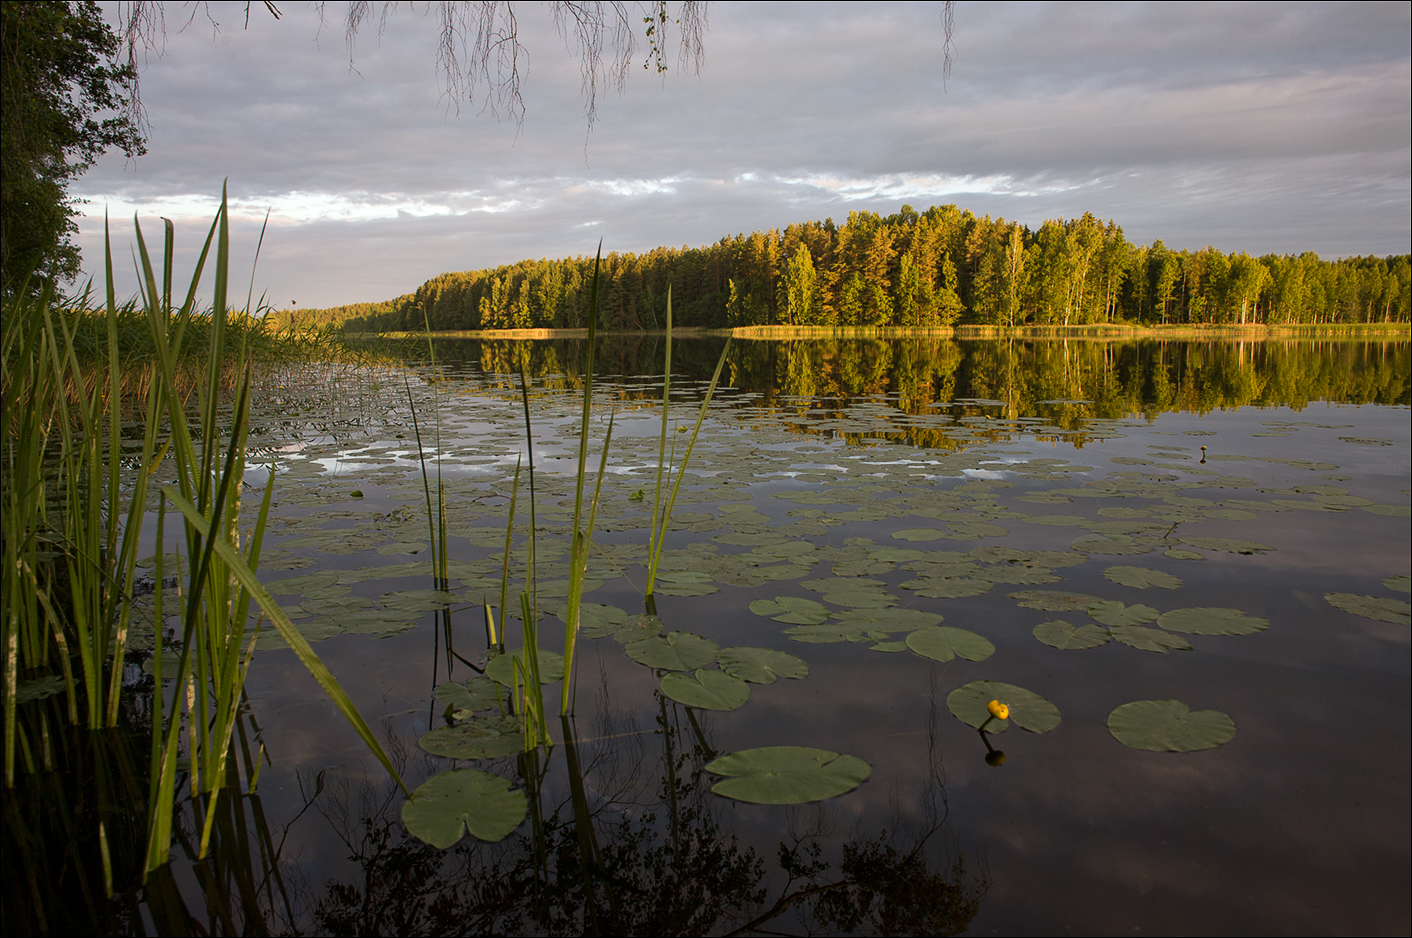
624, 837
1116, 378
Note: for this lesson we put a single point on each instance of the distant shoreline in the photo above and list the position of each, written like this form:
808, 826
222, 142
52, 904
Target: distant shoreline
1261, 331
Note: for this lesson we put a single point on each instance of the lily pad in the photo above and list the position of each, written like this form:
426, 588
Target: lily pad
685, 583
1403, 583
1145, 639
829, 632
1211, 620
1061, 634
861, 598
1372, 607
1141, 578
1111, 612
942, 643
1169, 726
637, 628
792, 609
760, 665
418, 600
1228, 544
485, 738
957, 587
787, 775
1028, 710
501, 670
889, 620
919, 534
451, 804
1116, 544
975, 530
674, 651
476, 694
1055, 600
51, 684
708, 690
596, 620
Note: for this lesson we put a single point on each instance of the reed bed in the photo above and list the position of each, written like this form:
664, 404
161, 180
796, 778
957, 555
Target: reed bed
72, 524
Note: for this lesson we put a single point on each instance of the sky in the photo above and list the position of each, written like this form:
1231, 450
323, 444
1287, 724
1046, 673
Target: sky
1255, 127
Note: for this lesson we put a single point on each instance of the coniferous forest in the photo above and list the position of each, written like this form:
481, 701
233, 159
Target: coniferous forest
941, 267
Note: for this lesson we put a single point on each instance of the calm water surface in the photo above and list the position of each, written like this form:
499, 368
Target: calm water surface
946, 478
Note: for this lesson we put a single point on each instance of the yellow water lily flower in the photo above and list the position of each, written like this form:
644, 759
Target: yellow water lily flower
998, 710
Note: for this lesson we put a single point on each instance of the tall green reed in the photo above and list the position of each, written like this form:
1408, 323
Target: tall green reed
70, 548
662, 513
583, 535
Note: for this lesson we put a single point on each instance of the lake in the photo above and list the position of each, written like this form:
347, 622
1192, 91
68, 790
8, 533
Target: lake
1140, 545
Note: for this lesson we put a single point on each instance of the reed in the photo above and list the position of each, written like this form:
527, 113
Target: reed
583, 535
662, 513
73, 522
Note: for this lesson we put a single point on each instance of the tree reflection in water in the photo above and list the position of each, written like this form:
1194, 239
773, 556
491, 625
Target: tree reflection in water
624, 837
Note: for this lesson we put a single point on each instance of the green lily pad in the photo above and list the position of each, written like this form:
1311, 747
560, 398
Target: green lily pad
888, 646
1061, 634
449, 805
292, 584
787, 775
1390, 511
485, 738
1028, 710
1227, 544
170, 563
1403, 583
1116, 544
708, 690
51, 684
1067, 521
501, 670
418, 600
685, 583
476, 694
637, 628
1169, 726
596, 620
957, 587
1144, 639
1056, 600
1211, 620
1111, 612
888, 620
975, 530
1141, 578
792, 609
760, 665
827, 633
942, 643
919, 534
674, 651
1177, 553
1372, 607
861, 598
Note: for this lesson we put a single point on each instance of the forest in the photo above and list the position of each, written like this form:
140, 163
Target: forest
938, 268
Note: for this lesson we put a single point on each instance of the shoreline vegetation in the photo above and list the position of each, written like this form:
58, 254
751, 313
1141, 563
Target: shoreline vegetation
1395, 331
944, 267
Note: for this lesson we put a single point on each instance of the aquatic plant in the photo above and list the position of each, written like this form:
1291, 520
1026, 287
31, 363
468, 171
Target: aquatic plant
72, 525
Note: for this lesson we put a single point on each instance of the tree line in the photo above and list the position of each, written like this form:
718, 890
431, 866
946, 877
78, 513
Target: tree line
941, 267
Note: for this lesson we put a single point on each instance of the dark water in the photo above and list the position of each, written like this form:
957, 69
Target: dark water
1264, 477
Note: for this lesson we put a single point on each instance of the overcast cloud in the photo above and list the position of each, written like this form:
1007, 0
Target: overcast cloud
1256, 127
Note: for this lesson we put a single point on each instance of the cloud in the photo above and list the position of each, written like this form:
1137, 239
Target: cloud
1252, 128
